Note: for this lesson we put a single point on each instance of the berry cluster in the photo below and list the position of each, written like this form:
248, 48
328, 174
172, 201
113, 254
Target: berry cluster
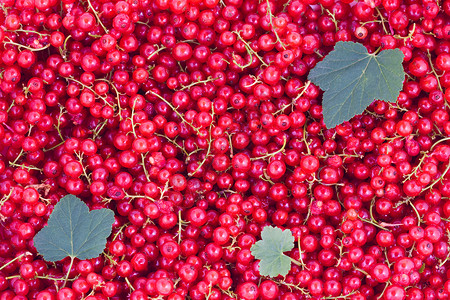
194, 121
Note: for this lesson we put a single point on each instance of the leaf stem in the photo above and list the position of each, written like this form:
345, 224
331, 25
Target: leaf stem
295, 261
68, 271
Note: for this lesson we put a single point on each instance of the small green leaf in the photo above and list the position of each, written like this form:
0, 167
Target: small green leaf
269, 250
74, 231
352, 78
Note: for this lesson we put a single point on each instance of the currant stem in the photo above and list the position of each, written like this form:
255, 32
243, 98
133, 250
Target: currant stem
18, 156
266, 178
440, 178
13, 260
372, 219
98, 129
138, 196
80, 160
333, 18
433, 70
97, 17
273, 27
144, 167
26, 47
410, 34
174, 109
179, 227
5, 198
292, 286
373, 223
305, 141
249, 51
294, 101
25, 167
448, 254
361, 270
416, 168
173, 141
440, 141
121, 228
343, 297
384, 289
156, 52
54, 147
57, 126
382, 21
208, 151
273, 153
129, 283
419, 219
29, 31
132, 122
89, 88
209, 79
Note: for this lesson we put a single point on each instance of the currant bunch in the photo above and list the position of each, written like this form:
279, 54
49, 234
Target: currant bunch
194, 121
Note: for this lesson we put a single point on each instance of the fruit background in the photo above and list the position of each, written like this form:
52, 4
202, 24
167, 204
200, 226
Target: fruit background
194, 121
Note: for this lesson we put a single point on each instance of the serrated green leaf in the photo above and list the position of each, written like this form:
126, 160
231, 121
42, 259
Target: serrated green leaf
74, 231
351, 79
269, 250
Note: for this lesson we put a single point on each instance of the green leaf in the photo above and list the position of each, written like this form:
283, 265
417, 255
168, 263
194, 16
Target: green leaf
269, 250
352, 79
74, 231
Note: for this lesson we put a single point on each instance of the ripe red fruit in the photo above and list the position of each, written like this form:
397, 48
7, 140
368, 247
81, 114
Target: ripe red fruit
248, 291
419, 67
196, 124
395, 292
309, 163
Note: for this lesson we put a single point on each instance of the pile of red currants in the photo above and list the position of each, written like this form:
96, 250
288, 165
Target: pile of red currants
194, 121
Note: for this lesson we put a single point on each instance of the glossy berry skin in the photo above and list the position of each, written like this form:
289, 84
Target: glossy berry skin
248, 291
